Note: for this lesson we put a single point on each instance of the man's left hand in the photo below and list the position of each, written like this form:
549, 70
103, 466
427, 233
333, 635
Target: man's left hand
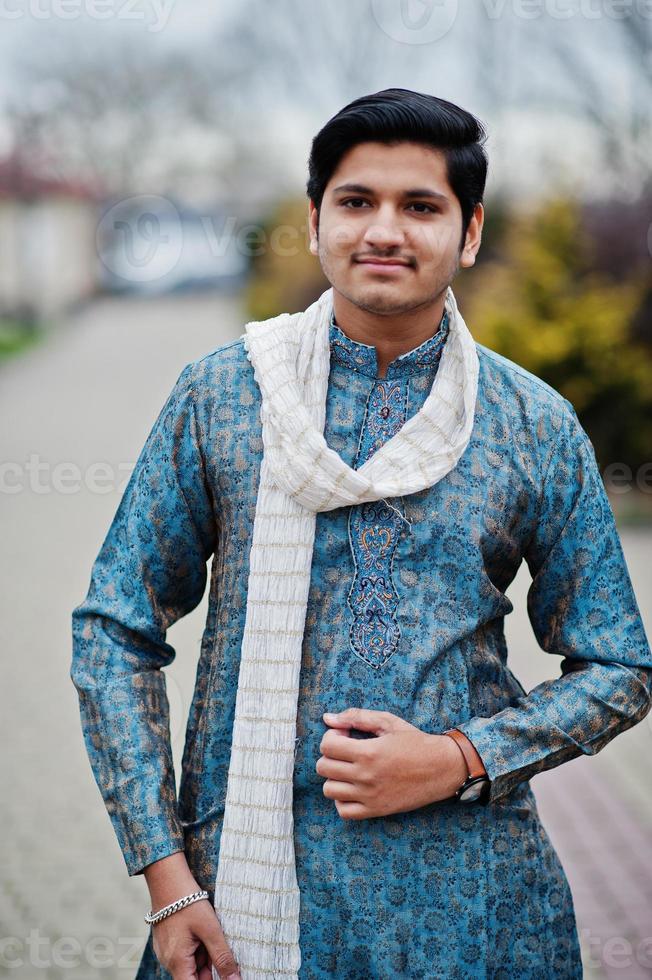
400, 770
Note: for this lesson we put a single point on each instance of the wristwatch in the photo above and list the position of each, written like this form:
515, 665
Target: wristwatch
477, 786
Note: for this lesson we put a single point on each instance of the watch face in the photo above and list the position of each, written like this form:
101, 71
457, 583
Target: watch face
475, 791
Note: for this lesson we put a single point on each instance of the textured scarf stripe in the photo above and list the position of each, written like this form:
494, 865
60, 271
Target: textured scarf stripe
256, 893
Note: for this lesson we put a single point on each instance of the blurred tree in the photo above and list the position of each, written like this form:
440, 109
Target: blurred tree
544, 305
235, 111
105, 112
616, 105
313, 56
285, 276
130, 117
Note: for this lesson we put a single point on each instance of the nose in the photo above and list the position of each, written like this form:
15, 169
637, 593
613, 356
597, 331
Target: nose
384, 231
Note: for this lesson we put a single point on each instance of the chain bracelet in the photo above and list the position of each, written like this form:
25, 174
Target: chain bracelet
153, 917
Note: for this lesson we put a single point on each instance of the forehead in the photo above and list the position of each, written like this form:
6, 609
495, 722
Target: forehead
391, 168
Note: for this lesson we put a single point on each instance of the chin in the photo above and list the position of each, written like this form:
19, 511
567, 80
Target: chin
369, 292
380, 306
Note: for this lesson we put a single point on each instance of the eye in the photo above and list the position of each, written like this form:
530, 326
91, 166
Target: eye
429, 207
350, 200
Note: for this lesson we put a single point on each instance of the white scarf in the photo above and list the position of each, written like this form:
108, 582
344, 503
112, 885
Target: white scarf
256, 891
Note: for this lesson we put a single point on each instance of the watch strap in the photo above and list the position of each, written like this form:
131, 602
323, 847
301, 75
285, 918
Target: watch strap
473, 761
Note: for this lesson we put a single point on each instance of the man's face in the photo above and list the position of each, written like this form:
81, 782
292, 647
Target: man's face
379, 216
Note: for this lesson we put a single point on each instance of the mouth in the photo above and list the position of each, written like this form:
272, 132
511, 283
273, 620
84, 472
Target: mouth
383, 265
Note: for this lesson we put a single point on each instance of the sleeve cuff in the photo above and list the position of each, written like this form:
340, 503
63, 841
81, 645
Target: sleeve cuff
490, 747
145, 854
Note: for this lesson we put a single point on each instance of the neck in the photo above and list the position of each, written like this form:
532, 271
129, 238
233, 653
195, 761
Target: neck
392, 334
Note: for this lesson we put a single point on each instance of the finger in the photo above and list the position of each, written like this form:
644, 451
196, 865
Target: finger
365, 719
344, 749
336, 790
351, 811
333, 769
346, 732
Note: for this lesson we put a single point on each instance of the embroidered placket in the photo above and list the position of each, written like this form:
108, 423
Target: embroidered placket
374, 527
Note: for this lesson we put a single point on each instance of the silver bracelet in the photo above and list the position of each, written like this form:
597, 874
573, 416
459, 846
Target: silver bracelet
153, 917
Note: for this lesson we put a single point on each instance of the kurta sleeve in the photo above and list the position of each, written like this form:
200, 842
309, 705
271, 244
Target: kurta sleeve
582, 606
150, 571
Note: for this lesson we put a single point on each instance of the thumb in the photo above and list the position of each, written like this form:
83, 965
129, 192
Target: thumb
221, 956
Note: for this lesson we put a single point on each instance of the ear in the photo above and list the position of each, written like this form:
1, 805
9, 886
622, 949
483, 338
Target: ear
473, 238
313, 227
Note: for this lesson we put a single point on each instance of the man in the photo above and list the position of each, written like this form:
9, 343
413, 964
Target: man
368, 480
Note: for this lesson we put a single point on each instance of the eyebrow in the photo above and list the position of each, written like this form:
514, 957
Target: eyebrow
413, 192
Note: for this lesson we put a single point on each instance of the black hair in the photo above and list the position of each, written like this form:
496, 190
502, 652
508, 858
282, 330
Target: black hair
398, 115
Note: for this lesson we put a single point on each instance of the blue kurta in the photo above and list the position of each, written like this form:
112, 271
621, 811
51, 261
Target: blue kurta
405, 614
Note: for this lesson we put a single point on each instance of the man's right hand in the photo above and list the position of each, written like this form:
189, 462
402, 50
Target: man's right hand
190, 940
187, 942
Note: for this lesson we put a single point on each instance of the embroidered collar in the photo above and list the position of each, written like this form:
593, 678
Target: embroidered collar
362, 357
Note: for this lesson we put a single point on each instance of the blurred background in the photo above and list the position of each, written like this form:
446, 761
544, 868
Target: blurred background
153, 159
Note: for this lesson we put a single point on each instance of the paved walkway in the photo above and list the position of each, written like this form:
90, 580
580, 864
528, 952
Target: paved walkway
598, 810
67, 906
89, 396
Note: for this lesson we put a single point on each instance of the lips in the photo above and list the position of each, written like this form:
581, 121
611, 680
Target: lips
384, 263
371, 261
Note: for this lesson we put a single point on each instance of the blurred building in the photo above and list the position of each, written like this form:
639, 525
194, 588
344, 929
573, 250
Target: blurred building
47, 242
64, 241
